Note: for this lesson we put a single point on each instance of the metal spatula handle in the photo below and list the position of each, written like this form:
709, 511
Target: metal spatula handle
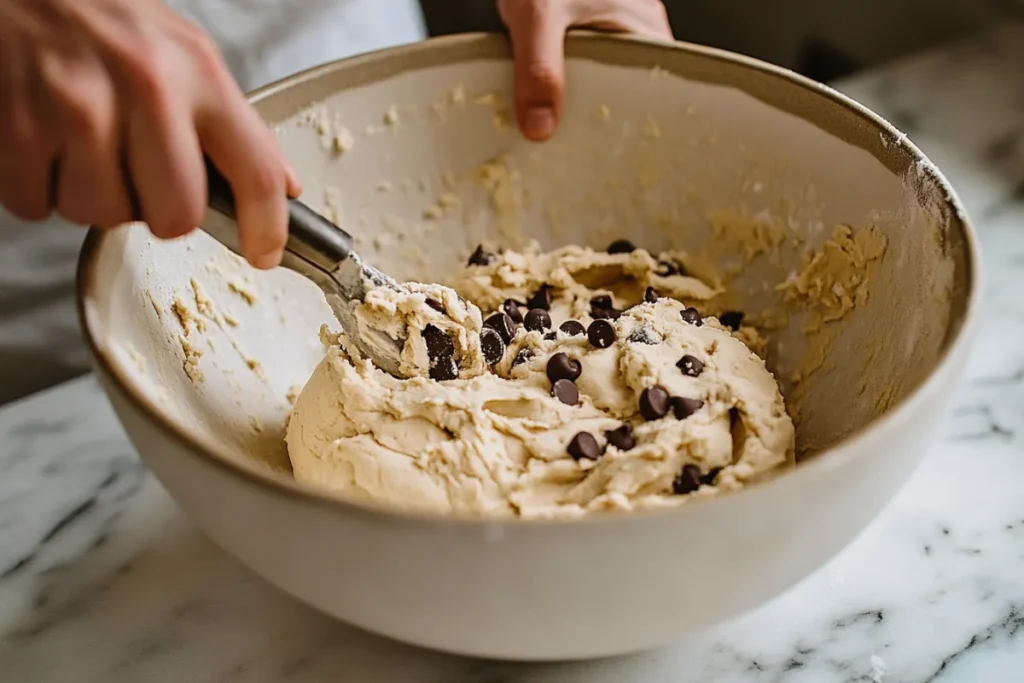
322, 252
312, 239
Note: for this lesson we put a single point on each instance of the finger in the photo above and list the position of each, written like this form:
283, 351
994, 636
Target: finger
646, 18
628, 23
537, 29
245, 151
293, 184
26, 148
160, 153
165, 167
91, 187
247, 154
654, 21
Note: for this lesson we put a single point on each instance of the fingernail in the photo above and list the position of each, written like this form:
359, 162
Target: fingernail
266, 261
539, 123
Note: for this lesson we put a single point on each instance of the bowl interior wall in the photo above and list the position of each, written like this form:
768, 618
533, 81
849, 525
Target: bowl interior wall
701, 154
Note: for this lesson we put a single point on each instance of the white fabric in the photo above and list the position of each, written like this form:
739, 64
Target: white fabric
262, 40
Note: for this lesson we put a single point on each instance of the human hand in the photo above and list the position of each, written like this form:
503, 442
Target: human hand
538, 30
106, 104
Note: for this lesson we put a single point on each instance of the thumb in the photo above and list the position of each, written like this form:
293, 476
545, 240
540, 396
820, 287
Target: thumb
537, 29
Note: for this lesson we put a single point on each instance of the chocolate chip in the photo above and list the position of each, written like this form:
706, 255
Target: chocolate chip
503, 325
621, 437
566, 392
573, 328
654, 402
731, 319
668, 268
687, 481
550, 336
492, 346
644, 335
691, 315
481, 257
537, 319
444, 369
690, 365
439, 344
511, 308
651, 295
541, 299
683, 407
710, 477
621, 247
601, 307
601, 334
523, 356
584, 445
436, 305
560, 366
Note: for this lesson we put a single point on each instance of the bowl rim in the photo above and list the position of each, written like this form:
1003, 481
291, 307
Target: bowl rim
484, 44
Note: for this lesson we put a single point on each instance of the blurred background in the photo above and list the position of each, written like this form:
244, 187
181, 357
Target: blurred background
823, 39
263, 40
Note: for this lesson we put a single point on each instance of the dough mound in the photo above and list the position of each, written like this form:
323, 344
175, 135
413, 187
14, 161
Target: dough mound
496, 442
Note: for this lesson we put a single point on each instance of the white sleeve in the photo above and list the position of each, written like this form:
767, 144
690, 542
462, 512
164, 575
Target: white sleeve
264, 40
40, 343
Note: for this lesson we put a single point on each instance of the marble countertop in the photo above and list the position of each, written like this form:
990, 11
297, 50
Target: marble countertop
103, 579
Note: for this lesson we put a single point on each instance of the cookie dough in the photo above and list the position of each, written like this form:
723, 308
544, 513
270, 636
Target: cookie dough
611, 392
441, 330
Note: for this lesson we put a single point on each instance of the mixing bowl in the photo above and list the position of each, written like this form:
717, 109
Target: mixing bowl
756, 172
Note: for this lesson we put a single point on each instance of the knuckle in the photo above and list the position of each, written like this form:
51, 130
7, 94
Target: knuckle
543, 75
202, 50
82, 96
177, 220
86, 118
20, 130
25, 132
146, 73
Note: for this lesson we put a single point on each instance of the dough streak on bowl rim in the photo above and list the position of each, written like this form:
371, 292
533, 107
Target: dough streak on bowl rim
884, 142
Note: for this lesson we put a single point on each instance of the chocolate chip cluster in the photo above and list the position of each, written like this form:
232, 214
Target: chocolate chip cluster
584, 445
500, 328
441, 352
655, 402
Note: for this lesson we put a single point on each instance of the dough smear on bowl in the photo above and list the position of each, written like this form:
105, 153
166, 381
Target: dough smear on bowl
591, 386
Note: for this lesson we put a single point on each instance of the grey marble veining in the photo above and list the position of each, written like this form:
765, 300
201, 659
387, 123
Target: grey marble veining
103, 579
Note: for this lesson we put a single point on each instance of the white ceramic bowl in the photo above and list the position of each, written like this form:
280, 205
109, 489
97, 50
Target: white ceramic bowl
659, 143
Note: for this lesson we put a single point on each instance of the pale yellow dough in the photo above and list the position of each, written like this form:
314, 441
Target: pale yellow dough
404, 314
493, 442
